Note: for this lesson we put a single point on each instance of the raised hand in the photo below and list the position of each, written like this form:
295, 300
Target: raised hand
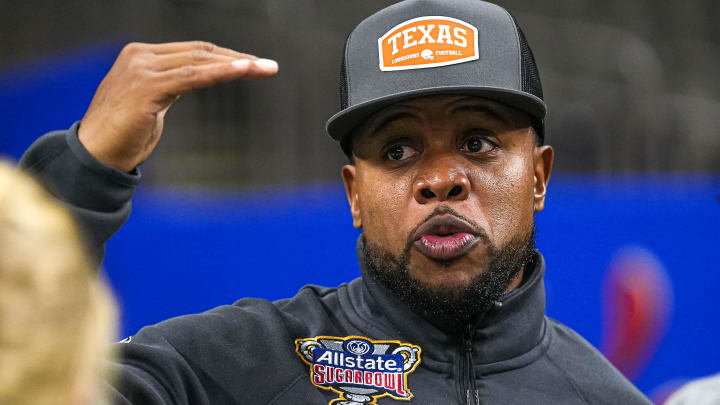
124, 121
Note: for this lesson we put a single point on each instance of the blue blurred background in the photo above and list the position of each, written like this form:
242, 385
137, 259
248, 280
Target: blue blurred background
244, 181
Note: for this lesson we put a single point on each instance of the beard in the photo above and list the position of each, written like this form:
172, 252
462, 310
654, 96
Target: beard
451, 307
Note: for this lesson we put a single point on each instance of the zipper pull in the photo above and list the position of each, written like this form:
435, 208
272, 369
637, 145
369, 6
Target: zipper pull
469, 338
471, 394
472, 399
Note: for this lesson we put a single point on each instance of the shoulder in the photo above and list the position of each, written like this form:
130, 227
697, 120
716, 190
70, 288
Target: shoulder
255, 319
247, 341
597, 381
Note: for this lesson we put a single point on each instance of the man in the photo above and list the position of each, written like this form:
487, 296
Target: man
443, 121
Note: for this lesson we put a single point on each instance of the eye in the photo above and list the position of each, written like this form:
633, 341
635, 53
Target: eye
401, 152
477, 145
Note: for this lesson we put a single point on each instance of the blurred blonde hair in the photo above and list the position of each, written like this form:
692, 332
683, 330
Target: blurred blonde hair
56, 318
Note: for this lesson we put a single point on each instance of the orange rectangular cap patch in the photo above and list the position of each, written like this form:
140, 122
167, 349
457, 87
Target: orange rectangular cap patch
426, 42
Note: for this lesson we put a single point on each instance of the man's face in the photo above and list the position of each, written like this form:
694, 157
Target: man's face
444, 181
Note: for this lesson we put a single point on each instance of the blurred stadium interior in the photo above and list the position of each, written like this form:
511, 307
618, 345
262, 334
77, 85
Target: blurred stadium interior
634, 116
630, 85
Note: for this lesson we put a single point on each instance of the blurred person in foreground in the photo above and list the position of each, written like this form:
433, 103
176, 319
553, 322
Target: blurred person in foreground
56, 319
442, 119
703, 391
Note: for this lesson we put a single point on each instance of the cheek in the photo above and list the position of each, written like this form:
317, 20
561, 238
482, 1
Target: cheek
383, 207
507, 194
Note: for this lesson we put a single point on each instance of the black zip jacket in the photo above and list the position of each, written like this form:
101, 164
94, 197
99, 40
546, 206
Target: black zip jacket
355, 341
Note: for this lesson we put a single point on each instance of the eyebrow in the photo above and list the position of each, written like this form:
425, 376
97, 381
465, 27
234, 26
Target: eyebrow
477, 108
382, 122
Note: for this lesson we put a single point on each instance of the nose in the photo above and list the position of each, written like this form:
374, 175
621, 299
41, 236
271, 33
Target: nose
441, 183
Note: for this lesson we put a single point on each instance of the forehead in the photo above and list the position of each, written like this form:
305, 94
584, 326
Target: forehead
443, 107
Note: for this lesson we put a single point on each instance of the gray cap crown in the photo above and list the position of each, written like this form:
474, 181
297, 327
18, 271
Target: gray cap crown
504, 69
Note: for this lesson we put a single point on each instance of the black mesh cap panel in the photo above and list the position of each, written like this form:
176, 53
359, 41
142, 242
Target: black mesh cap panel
343, 78
530, 76
345, 142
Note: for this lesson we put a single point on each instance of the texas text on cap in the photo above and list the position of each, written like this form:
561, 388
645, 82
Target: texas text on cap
424, 47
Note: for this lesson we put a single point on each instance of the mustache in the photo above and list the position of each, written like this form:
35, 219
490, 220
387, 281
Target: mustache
445, 210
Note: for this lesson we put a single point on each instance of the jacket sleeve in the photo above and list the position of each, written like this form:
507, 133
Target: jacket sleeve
152, 371
99, 196
233, 354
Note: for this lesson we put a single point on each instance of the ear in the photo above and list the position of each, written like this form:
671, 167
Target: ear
543, 159
349, 179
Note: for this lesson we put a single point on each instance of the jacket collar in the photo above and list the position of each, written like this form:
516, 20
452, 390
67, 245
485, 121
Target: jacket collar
511, 332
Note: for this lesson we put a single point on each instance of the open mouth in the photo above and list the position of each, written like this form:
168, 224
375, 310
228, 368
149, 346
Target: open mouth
445, 237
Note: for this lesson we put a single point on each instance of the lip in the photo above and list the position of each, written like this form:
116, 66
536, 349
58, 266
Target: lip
445, 237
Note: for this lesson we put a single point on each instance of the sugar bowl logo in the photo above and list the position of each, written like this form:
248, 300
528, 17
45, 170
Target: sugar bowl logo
359, 369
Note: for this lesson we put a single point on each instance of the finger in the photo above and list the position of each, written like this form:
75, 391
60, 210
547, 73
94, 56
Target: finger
175, 47
175, 60
187, 78
258, 68
234, 54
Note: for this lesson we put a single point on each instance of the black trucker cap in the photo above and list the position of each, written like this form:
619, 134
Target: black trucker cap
425, 47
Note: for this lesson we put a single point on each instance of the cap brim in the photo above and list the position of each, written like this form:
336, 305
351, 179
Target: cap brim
346, 120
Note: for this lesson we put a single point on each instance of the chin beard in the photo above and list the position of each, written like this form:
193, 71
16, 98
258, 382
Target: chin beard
452, 307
